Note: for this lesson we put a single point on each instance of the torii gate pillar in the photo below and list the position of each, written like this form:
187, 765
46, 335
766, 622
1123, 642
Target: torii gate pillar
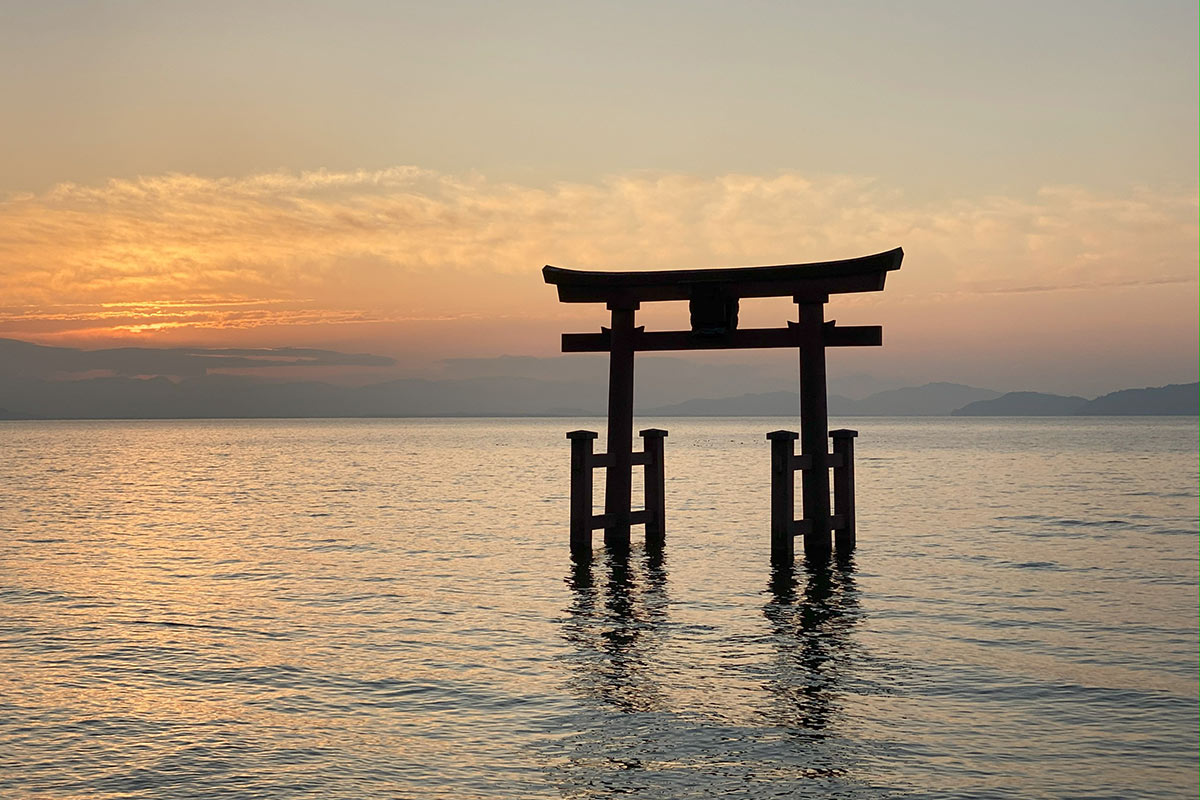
814, 424
618, 479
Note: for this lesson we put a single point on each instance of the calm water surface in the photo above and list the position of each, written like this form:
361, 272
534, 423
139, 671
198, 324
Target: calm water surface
385, 608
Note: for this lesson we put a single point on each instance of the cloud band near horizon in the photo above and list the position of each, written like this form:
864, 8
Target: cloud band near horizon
311, 248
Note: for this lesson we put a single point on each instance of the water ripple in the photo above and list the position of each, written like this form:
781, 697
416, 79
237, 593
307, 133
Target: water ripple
342, 609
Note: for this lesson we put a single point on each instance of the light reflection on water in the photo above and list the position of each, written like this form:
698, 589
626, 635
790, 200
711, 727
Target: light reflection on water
349, 608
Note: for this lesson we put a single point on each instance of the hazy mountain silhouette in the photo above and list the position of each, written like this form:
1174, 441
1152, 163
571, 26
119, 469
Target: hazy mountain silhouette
219, 396
1176, 398
1023, 404
1179, 398
41, 382
931, 399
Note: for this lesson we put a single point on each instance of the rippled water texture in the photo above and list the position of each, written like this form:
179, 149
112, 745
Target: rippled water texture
348, 609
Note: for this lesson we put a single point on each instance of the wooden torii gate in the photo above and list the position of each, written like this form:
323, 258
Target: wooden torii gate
713, 296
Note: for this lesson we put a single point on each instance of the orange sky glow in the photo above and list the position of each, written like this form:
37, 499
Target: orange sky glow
1050, 251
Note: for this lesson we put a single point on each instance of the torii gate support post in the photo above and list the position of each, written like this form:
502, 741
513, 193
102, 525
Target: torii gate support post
655, 486
843, 488
814, 429
581, 493
783, 497
618, 482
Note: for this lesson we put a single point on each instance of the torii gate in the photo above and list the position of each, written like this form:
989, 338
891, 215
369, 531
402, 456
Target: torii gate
713, 296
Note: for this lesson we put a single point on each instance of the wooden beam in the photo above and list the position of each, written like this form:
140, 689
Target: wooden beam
811, 289
603, 460
801, 527
864, 274
604, 520
800, 462
744, 339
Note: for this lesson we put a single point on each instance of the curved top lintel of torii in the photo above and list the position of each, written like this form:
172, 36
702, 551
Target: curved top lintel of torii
814, 280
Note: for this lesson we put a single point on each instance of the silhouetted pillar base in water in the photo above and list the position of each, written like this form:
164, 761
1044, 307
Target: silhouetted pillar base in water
583, 521
785, 462
654, 481
783, 497
843, 488
581, 493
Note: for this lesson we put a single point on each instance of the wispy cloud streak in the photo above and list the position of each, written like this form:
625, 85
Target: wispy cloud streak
325, 247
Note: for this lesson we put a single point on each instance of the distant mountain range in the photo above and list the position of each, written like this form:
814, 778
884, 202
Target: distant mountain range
952, 399
1175, 399
223, 396
1023, 404
41, 382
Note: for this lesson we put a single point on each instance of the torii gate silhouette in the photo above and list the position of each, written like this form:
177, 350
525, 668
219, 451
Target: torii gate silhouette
713, 296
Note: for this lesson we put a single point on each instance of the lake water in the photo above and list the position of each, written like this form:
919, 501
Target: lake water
386, 608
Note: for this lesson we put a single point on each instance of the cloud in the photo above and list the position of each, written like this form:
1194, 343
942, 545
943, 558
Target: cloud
324, 247
1099, 284
26, 360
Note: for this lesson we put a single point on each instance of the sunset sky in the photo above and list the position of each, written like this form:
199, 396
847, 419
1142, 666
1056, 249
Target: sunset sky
390, 177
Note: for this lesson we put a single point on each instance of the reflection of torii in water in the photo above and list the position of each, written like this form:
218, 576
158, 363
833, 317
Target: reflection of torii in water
619, 632
811, 634
713, 296
615, 641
